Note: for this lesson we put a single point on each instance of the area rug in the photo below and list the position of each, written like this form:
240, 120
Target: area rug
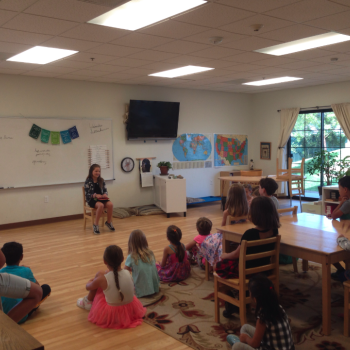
185, 311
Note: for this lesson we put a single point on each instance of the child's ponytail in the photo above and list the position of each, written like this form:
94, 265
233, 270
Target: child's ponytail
174, 235
115, 271
113, 256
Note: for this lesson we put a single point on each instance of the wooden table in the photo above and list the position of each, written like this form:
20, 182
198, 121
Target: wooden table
14, 337
309, 237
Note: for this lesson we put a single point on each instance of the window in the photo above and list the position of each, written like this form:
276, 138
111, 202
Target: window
314, 131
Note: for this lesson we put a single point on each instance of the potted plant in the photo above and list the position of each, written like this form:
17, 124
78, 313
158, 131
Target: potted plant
328, 163
164, 167
323, 162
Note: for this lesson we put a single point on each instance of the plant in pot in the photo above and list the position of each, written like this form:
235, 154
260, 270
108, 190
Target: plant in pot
164, 167
327, 163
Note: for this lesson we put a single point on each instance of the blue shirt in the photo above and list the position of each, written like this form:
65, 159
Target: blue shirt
145, 276
21, 271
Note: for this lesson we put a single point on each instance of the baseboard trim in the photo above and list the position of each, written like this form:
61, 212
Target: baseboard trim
40, 222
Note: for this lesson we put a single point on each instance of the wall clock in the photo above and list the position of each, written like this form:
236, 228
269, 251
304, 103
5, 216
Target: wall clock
127, 164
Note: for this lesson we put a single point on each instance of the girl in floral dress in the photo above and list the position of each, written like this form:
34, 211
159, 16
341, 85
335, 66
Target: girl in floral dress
175, 265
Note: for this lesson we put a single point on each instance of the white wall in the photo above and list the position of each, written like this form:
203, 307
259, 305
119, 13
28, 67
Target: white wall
267, 119
200, 111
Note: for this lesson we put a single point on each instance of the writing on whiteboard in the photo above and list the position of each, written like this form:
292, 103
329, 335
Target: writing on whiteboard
95, 128
5, 137
42, 152
35, 162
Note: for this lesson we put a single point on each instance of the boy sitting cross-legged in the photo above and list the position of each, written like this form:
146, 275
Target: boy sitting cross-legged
13, 252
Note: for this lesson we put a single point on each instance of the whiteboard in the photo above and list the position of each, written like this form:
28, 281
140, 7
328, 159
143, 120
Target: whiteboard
28, 162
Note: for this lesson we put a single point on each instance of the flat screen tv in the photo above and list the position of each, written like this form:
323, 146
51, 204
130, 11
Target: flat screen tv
152, 120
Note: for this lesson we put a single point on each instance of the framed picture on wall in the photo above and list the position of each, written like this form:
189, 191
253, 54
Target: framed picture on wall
265, 150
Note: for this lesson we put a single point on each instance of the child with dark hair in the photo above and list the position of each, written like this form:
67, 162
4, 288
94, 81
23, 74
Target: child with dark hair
267, 187
342, 211
13, 253
264, 216
111, 300
272, 329
175, 265
203, 226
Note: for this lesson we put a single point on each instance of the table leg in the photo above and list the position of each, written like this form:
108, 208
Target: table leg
347, 264
305, 265
326, 296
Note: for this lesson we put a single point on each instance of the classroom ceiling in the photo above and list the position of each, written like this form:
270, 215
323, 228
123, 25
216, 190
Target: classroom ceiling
127, 57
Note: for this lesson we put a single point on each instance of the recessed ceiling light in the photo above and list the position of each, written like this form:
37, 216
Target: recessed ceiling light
178, 72
41, 55
272, 81
305, 44
137, 14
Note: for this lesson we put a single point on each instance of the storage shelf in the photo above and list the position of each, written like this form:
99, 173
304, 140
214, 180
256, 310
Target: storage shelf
331, 202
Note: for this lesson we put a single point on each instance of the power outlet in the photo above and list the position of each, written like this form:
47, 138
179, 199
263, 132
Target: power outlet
46, 199
211, 182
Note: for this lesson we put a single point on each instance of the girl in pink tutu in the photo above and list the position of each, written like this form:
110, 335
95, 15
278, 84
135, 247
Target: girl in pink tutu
111, 298
175, 266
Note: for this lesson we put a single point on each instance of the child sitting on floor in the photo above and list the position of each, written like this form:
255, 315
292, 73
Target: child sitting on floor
237, 204
267, 187
203, 226
175, 266
141, 262
13, 252
111, 300
272, 329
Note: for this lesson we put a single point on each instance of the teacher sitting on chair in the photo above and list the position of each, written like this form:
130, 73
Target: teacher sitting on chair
97, 197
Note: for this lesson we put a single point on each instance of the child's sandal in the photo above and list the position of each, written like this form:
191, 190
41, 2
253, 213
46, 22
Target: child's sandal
84, 303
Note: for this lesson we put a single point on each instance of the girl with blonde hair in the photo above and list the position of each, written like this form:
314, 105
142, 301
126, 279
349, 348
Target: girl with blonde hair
141, 262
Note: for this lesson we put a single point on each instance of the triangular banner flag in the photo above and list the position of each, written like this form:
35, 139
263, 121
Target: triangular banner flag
55, 137
73, 132
45, 136
35, 131
65, 136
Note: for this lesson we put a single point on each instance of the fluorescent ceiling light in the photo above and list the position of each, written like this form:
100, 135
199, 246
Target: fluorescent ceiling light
41, 55
272, 81
178, 72
305, 44
137, 14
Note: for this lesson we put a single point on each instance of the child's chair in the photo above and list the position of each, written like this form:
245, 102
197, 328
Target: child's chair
89, 213
294, 177
241, 283
346, 308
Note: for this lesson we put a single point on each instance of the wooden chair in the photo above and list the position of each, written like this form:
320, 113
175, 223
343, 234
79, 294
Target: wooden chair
346, 308
294, 211
241, 283
294, 177
89, 213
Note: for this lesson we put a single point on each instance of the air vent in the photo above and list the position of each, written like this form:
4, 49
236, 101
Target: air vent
107, 3
236, 82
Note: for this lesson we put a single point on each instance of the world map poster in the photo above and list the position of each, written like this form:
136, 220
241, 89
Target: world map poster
230, 150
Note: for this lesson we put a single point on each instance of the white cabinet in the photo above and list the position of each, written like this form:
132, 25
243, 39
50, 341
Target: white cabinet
326, 195
170, 194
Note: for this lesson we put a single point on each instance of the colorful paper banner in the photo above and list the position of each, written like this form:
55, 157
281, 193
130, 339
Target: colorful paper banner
45, 136
65, 136
35, 131
55, 137
73, 132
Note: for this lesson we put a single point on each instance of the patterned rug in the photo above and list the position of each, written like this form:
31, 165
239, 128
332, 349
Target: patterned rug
185, 311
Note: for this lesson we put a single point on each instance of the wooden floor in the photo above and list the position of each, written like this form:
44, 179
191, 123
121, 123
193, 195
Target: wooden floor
65, 256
